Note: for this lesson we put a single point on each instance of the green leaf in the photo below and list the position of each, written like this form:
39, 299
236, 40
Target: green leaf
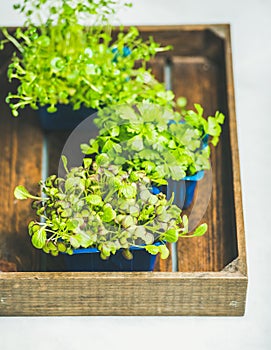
21, 192
176, 172
105, 251
39, 238
61, 247
57, 64
75, 241
86, 149
136, 143
44, 41
72, 224
73, 182
65, 162
172, 144
129, 191
108, 146
200, 231
94, 199
148, 166
215, 140
128, 221
120, 160
109, 213
153, 199
87, 162
127, 112
85, 240
51, 109
102, 159
148, 238
92, 147
220, 117
149, 154
164, 251
213, 128
185, 223
67, 213
152, 249
115, 131
199, 109
145, 195
171, 235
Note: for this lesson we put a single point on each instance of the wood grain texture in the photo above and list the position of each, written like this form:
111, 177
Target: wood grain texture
20, 163
221, 235
212, 277
241, 262
157, 293
6, 266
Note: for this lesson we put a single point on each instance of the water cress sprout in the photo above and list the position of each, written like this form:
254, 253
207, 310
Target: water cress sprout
154, 139
67, 55
108, 210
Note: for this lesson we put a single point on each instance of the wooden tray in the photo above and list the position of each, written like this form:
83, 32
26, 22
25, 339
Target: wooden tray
206, 276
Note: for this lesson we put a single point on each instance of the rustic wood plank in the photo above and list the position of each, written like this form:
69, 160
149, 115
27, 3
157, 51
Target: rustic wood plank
195, 78
236, 189
157, 293
21, 144
188, 40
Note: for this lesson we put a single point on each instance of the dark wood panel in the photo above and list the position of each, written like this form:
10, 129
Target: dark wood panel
188, 40
55, 142
199, 79
21, 149
5, 54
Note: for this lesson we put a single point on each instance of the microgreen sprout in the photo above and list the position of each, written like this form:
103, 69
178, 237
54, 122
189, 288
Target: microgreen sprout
107, 208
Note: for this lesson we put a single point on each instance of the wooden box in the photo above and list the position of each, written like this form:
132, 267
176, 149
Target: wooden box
205, 276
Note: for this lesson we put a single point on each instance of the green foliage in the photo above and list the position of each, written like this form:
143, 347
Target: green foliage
156, 140
210, 126
21, 192
61, 61
107, 208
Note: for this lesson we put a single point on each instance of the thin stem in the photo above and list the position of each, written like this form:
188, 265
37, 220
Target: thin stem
12, 39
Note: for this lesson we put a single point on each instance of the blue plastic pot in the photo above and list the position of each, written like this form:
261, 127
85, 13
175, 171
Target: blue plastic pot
184, 189
89, 260
65, 118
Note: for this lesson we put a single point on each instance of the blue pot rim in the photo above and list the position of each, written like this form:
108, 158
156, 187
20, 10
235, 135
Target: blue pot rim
196, 177
95, 250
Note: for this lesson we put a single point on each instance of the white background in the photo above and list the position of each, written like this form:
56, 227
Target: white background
251, 42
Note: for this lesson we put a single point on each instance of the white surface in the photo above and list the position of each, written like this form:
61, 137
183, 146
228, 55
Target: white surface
251, 33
